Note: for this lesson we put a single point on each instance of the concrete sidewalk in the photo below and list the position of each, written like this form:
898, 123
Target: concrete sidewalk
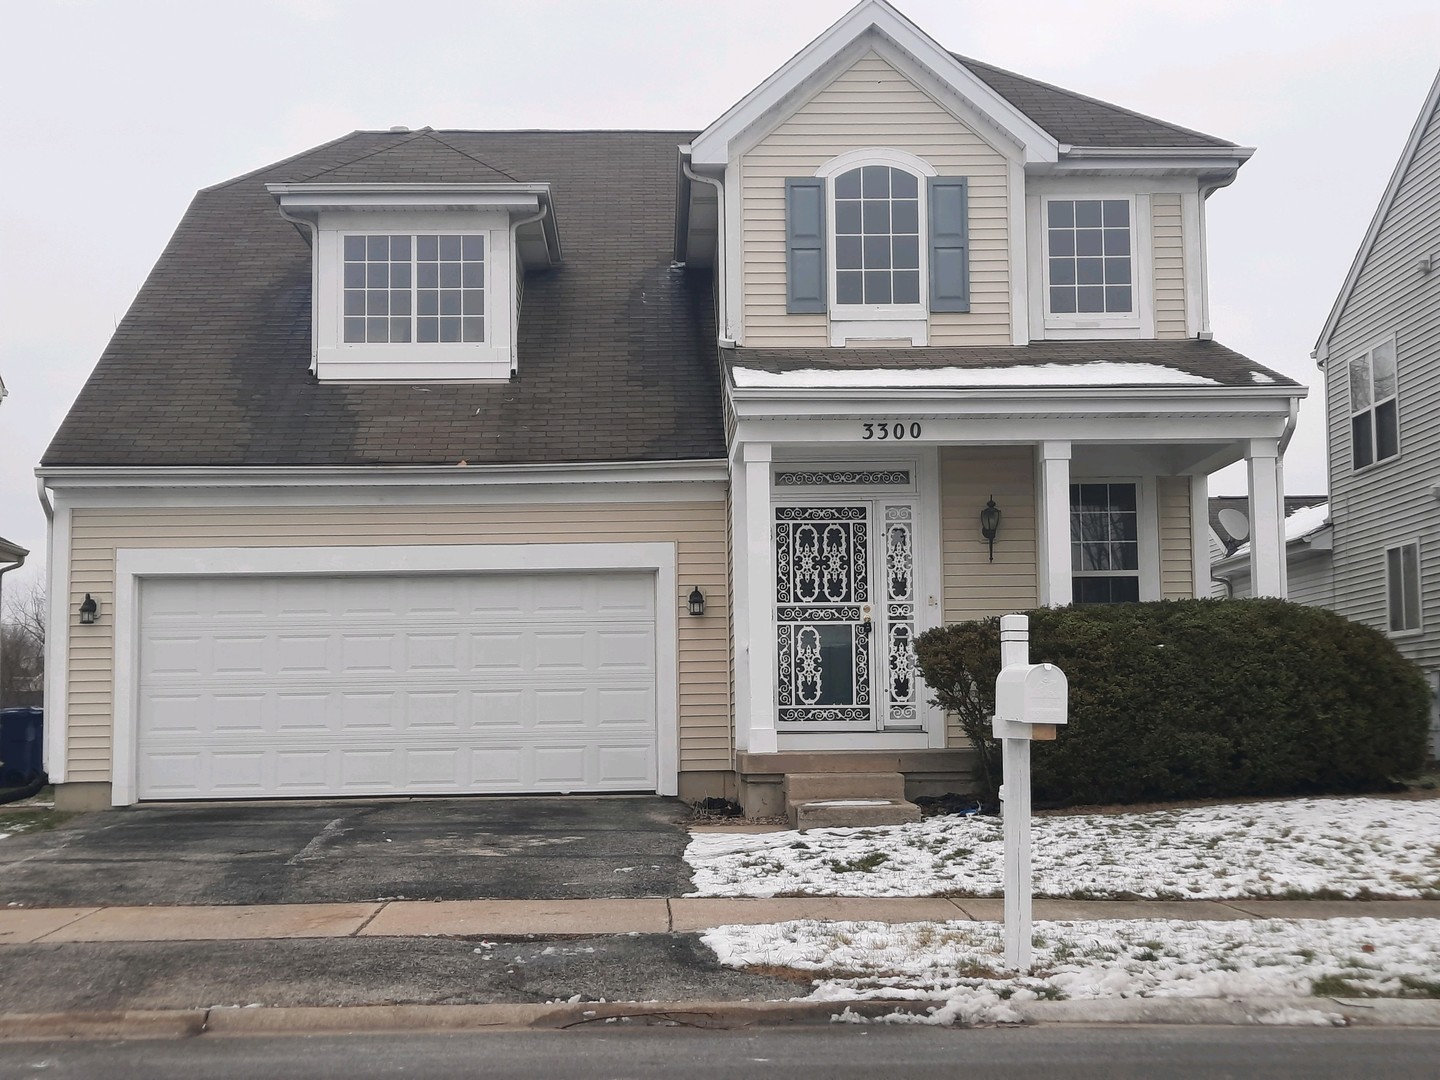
659, 915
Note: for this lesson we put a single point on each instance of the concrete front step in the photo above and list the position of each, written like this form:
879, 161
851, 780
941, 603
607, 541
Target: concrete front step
850, 813
814, 786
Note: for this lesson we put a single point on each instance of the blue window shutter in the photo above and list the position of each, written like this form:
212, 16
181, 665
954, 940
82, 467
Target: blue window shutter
805, 246
949, 244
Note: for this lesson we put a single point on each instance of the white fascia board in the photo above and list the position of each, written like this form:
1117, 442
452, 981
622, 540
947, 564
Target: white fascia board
713, 146
299, 198
780, 401
1186, 160
1322, 344
280, 476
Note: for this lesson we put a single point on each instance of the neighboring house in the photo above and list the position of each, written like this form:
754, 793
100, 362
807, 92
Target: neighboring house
12, 556
1308, 542
1380, 351
406, 467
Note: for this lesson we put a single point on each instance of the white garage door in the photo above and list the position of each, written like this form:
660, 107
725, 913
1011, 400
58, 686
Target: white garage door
296, 686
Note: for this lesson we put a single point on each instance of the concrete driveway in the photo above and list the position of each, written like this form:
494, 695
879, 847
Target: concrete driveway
347, 851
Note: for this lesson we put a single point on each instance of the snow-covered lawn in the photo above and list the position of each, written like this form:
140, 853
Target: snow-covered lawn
963, 961
1332, 848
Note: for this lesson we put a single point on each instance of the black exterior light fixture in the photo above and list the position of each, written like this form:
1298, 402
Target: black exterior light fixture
697, 601
89, 610
990, 524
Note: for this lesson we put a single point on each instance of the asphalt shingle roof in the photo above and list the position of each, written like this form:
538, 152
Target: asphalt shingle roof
210, 366
617, 348
1083, 121
1207, 359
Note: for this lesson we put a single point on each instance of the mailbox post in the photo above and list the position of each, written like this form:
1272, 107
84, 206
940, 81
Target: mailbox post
1030, 702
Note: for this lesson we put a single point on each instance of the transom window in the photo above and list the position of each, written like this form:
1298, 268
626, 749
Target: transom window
1089, 257
877, 236
1104, 543
1374, 415
427, 287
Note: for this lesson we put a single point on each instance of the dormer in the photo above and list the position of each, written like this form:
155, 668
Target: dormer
420, 282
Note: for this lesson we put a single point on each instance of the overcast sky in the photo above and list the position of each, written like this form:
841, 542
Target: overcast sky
118, 110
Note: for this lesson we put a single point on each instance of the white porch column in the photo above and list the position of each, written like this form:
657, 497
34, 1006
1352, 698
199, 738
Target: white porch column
759, 555
1267, 518
1053, 529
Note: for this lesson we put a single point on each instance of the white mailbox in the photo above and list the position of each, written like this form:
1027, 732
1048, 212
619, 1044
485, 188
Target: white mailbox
1033, 695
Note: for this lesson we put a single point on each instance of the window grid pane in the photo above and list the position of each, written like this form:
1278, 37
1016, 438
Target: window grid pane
1089, 257
1104, 547
877, 236
402, 288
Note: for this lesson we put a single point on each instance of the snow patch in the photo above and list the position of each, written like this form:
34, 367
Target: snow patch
1292, 848
1299, 524
1098, 373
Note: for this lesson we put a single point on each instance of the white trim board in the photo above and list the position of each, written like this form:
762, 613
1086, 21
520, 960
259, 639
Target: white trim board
132, 565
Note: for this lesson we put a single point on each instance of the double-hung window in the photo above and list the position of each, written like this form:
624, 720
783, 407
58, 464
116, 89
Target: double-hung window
1104, 543
1089, 258
1402, 587
1374, 406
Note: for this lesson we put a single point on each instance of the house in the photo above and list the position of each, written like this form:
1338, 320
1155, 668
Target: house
1380, 352
436, 462
1307, 548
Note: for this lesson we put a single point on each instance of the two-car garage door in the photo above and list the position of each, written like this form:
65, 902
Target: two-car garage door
396, 684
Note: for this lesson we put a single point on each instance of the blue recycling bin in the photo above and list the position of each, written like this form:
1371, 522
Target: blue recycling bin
21, 745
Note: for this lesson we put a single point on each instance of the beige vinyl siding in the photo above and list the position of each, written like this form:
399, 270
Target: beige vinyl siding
697, 529
1167, 240
872, 104
1390, 503
1177, 577
974, 587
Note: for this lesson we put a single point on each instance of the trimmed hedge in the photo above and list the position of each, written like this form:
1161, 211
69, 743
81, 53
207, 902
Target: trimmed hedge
1181, 699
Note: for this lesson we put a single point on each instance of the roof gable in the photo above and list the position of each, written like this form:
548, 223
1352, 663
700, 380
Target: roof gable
1412, 146
870, 24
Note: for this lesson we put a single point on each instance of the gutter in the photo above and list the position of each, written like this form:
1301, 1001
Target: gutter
692, 470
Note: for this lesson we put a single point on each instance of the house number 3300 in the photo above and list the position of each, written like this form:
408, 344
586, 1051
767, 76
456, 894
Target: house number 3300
882, 431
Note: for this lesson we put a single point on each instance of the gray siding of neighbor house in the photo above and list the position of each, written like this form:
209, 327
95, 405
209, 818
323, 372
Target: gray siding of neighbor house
1311, 581
1391, 503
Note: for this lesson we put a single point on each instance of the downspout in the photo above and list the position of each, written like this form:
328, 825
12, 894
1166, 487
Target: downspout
726, 339
314, 231
519, 283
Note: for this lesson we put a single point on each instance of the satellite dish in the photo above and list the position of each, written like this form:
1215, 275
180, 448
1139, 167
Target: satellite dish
1235, 523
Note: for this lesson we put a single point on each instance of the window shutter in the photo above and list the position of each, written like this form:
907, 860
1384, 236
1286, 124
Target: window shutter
949, 244
805, 246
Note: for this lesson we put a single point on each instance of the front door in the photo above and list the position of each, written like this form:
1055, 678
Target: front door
845, 616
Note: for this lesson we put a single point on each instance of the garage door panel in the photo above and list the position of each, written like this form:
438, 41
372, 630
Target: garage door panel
349, 685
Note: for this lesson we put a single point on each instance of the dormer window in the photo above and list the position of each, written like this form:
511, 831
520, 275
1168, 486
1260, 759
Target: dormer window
878, 242
420, 282
1089, 263
423, 288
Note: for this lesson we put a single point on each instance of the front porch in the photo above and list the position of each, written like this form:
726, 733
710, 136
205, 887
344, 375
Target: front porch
851, 535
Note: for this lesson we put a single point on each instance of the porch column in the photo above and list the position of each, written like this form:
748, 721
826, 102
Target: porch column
759, 555
1053, 531
1267, 518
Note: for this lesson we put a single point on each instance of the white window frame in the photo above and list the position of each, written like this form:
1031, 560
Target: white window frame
1147, 533
1406, 587
415, 286
339, 360
1138, 268
1368, 356
862, 321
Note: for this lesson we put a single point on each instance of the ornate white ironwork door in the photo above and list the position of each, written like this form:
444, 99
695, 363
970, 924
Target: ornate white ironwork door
901, 696
823, 617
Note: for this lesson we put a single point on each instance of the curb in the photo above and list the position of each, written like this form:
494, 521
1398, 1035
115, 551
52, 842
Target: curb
710, 1015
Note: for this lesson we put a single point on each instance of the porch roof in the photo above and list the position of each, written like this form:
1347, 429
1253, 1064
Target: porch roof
1065, 363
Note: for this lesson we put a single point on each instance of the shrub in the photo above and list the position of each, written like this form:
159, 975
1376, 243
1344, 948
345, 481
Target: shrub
1183, 699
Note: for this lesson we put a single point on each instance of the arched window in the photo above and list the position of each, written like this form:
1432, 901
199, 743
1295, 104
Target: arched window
877, 236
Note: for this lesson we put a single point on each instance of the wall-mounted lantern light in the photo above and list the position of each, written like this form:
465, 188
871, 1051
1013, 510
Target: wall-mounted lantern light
89, 609
697, 601
990, 524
